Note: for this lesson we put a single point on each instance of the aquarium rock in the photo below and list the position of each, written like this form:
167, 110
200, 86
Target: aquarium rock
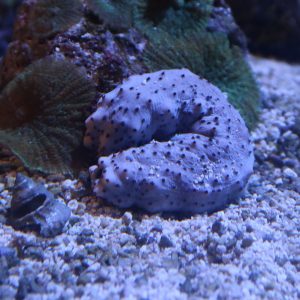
34, 208
169, 141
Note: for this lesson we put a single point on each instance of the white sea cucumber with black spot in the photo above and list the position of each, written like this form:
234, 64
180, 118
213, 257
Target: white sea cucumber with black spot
169, 141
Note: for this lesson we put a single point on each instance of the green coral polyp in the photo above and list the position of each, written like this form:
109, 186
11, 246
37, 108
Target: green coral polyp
42, 114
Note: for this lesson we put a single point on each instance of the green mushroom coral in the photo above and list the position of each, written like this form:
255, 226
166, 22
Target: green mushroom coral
168, 15
117, 14
172, 16
42, 113
211, 56
180, 39
46, 18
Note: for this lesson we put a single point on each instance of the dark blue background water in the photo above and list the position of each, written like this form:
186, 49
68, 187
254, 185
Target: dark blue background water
7, 15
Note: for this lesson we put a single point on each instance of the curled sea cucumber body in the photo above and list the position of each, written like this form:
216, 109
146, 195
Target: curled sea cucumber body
169, 141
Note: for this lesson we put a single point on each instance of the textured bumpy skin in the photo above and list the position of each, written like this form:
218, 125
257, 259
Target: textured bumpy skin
169, 141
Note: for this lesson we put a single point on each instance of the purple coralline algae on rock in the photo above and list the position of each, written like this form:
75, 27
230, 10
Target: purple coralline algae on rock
169, 141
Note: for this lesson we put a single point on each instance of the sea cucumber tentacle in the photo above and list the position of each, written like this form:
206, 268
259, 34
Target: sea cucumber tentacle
169, 141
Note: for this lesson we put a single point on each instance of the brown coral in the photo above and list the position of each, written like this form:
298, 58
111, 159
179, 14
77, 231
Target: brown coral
42, 113
45, 18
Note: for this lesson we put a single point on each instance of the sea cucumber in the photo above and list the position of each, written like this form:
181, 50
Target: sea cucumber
169, 141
